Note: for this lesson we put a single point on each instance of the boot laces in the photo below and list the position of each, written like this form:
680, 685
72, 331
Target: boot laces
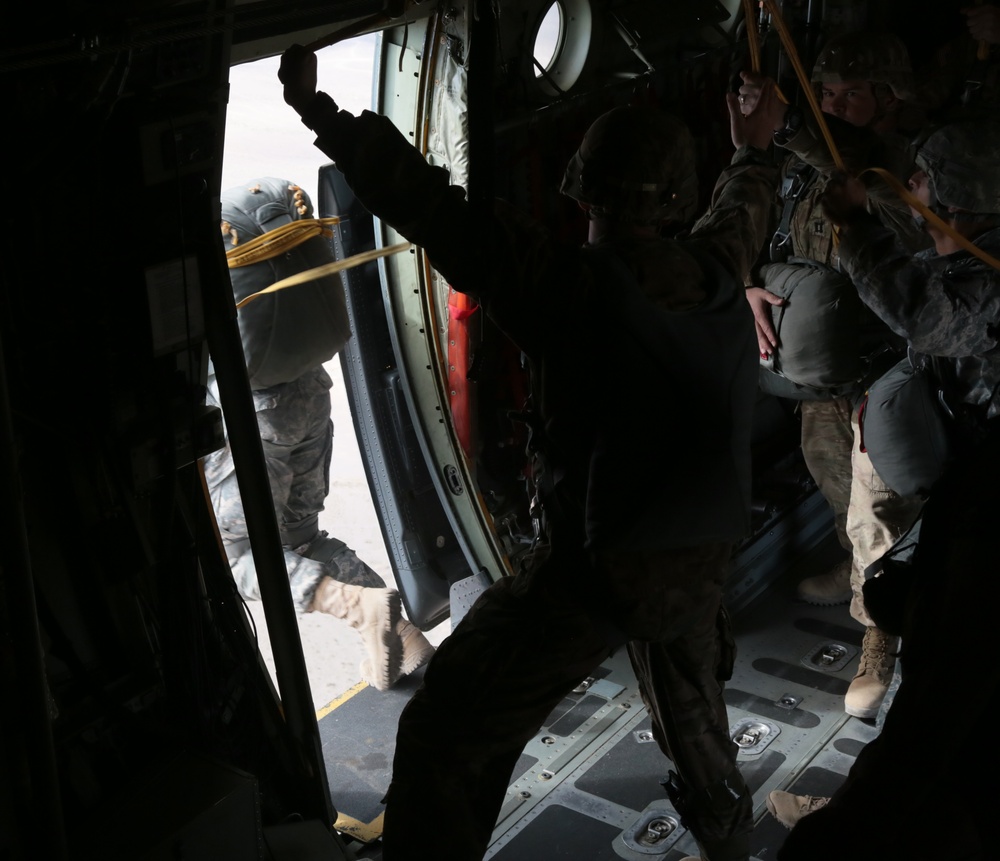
812, 803
876, 656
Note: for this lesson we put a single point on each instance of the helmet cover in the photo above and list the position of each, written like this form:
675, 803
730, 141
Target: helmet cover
962, 161
635, 164
261, 205
879, 58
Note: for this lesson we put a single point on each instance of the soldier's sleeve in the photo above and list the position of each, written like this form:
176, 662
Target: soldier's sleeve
854, 144
491, 252
859, 149
741, 216
392, 179
940, 309
895, 214
885, 202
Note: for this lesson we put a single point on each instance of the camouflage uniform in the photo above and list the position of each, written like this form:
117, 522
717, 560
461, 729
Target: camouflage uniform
958, 295
297, 436
291, 393
869, 517
898, 781
635, 555
948, 308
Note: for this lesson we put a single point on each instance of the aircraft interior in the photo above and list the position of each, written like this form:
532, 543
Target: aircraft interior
140, 721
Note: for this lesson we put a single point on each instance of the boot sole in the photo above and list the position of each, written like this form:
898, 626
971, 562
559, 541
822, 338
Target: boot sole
863, 714
392, 608
824, 602
416, 661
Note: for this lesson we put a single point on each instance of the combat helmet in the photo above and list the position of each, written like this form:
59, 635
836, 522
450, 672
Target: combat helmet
261, 205
635, 164
880, 58
962, 161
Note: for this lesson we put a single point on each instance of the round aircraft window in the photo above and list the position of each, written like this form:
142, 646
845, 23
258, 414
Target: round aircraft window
561, 42
547, 39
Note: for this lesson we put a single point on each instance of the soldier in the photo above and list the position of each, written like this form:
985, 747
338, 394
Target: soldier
946, 302
632, 555
862, 81
963, 80
286, 339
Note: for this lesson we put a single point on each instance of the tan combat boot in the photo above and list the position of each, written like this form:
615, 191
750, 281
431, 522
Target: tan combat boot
825, 590
375, 615
789, 809
871, 682
417, 651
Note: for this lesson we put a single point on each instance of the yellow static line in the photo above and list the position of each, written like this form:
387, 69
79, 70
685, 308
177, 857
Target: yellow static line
274, 242
753, 43
931, 216
327, 269
804, 82
901, 190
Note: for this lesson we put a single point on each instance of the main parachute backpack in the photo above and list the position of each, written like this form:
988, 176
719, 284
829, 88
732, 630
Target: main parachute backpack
819, 356
905, 430
289, 332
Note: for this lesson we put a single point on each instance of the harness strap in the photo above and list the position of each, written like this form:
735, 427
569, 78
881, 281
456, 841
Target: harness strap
793, 187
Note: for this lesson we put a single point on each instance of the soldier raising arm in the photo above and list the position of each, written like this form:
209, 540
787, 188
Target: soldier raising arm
630, 555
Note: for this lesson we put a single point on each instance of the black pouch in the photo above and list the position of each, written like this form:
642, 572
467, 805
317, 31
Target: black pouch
890, 580
727, 645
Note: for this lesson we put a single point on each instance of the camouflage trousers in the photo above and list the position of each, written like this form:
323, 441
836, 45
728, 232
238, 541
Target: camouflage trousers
876, 518
869, 517
899, 782
525, 644
296, 434
826, 448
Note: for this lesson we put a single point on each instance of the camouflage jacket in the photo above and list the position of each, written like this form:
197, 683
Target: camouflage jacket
650, 427
947, 307
811, 233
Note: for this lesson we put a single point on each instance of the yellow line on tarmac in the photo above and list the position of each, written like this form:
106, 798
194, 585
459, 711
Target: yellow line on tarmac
339, 701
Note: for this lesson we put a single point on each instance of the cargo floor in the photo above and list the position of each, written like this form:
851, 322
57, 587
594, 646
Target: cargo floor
588, 785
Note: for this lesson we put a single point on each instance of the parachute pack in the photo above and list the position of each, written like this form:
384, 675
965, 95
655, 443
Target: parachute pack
905, 430
819, 333
289, 332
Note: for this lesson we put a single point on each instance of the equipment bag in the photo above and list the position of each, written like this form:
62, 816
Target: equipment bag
289, 332
890, 579
905, 430
819, 356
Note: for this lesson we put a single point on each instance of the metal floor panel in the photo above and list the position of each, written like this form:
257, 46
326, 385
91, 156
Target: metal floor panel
794, 664
588, 785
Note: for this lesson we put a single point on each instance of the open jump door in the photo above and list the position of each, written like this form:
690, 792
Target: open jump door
403, 386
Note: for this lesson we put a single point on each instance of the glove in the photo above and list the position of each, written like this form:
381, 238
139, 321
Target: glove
297, 72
